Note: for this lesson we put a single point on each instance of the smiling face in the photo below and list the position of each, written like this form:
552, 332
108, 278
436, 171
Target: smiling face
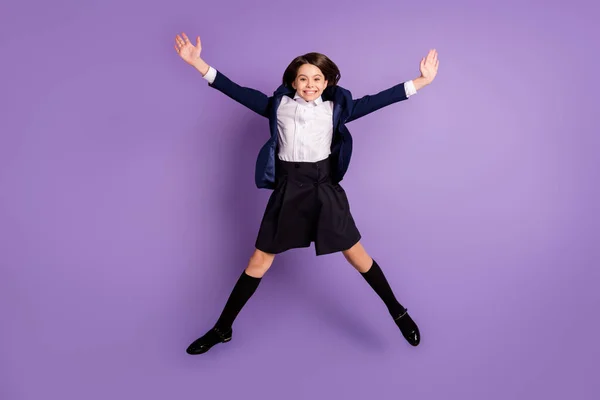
310, 82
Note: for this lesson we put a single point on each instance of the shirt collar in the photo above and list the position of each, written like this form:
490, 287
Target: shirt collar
300, 100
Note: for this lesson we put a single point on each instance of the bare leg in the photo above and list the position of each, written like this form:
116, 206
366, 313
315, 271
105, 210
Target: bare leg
357, 257
259, 263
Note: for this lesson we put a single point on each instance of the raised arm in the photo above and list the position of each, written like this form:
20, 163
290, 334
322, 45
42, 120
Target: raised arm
370, 103
251, 98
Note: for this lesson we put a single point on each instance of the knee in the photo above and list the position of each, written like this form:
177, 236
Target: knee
259, 263
358, 257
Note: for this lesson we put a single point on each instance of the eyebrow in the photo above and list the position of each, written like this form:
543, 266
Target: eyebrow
307, 75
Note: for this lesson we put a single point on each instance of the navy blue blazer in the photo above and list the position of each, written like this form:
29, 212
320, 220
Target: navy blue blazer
346, 109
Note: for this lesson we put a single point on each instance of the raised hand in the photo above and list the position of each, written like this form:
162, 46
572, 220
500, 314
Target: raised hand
186, 50
429, 66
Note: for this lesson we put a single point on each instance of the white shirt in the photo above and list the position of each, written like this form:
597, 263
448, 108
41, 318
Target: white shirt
305, 129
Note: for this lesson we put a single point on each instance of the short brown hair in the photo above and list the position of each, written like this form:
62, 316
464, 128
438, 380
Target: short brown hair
321, 61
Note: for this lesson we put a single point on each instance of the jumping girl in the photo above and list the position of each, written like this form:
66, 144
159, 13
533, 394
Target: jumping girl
303, 162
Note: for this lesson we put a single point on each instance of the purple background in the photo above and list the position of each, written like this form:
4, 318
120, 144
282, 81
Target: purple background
128, 207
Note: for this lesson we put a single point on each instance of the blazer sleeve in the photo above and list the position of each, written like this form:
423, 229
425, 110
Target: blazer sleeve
255, 100
370, 103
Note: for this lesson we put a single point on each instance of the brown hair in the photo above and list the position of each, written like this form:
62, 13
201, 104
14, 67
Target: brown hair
321, 61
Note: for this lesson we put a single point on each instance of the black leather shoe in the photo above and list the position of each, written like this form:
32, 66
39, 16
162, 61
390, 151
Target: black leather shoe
409, 329
210, 338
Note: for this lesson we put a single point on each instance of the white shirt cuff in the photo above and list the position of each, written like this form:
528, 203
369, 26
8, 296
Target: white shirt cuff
410, 89
210, 75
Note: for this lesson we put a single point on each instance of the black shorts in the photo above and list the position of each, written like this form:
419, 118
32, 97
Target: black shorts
306, 206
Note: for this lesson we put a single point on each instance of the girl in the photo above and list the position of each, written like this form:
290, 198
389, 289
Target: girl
303, 162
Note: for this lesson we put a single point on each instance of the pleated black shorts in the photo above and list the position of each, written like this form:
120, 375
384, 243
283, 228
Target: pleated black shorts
305, 207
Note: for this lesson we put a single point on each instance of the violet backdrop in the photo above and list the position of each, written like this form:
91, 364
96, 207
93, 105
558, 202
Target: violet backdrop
128, 207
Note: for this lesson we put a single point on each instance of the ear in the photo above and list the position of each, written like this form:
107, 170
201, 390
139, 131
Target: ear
294, 84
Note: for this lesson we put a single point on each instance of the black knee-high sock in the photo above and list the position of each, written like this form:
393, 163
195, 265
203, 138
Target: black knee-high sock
242, 291
376, 279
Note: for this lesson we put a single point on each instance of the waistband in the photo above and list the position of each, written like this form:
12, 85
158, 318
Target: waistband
289, 165
312, 170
